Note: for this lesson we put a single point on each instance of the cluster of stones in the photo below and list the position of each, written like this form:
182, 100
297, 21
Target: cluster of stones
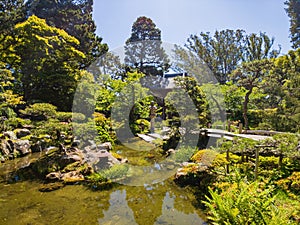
12, 144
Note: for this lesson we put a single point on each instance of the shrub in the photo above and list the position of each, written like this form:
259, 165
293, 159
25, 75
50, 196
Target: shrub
140, 126
114, 172
243, 203
40, 111
52, 127
103, 127
14, 123
69, 116
209, 157
291, 183
183, 154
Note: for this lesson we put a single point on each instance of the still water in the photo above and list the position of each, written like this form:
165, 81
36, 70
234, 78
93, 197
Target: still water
21, 203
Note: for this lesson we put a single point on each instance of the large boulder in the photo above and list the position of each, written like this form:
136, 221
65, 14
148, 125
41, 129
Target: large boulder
6, 147
22, 146
22, 132
10, 135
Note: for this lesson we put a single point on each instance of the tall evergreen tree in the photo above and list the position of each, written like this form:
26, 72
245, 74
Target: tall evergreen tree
259, 46
75, 17
48, 63
227, 49
11, 13
293, 11
143, 50
221, 52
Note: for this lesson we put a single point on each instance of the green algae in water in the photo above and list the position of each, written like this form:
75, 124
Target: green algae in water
21, 203
164, 203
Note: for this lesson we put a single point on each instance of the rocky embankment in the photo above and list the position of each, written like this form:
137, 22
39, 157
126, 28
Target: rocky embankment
59, 165
14, 145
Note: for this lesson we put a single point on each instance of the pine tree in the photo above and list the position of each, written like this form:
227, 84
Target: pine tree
293, 11
11, 12
75, 17
143, 50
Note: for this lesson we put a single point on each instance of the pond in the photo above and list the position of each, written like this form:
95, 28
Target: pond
21, 202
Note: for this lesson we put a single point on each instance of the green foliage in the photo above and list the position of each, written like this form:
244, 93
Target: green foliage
210, 158
141, 126
293, 11
249, 76
143, 49
233, 98
244, 203
8, 99
49, 62
285, 85
291, 183
68, 116
187, 107
104, 129
221, 51
15, 122
258, 47
287, 144
183, 154
225, 50
40, 111
53, 128
113, 173
74, 17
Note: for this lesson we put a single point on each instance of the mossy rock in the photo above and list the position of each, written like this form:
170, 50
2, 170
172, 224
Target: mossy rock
51, 186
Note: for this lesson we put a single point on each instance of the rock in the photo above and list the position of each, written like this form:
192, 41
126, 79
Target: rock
37, 146
184, 164
125, 160
101, 160
170, 167
171, 152
72, 177
75, 143
23, 146
51, 187
105, 146
69, 159
22, 132
73, 157
54, 176
10, 134
6, 148
179, 174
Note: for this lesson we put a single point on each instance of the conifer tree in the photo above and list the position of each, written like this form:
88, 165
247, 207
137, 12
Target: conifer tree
293, 11
143, 50
74, 17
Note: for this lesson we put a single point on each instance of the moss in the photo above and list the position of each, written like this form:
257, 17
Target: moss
72, 167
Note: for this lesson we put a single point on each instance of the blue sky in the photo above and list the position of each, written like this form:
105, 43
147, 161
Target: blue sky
178, 19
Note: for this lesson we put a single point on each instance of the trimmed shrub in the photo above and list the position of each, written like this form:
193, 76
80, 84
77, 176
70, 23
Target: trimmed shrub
40, 111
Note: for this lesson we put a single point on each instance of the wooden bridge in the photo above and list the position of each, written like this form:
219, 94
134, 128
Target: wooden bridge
216, 133
229, 135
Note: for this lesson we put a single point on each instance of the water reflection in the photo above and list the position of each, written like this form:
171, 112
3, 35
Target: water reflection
170, 215
119, 212
149, 205
153, 203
